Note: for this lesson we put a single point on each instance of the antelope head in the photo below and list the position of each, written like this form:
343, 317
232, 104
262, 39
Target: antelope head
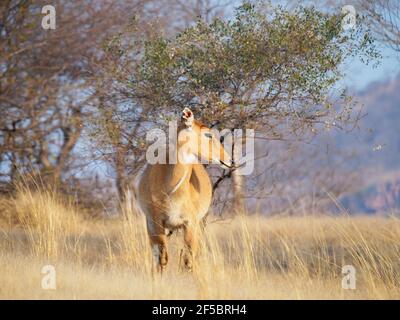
199, 144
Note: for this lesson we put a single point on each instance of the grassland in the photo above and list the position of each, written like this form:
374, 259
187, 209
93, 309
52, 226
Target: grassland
244, 258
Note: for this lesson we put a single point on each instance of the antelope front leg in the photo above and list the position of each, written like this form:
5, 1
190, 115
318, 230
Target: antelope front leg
158, 241
159, 248
190, 246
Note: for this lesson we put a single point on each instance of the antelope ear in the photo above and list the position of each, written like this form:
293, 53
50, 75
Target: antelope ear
187, 117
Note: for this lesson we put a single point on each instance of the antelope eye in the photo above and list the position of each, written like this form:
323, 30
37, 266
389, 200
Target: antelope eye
208, 135
221, 139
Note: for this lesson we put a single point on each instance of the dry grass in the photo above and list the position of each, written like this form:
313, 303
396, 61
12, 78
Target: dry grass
246, 258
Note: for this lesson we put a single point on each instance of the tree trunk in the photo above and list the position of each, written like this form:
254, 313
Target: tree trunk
238, 180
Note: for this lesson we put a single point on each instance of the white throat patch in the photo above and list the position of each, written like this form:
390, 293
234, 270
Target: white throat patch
178, 184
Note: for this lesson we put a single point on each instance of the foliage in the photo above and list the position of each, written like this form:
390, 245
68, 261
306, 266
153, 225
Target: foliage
255, 70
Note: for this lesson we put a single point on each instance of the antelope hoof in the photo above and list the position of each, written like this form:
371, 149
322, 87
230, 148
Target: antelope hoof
188, 262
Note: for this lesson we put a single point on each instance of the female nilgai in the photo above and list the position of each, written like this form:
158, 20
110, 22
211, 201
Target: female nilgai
178, 195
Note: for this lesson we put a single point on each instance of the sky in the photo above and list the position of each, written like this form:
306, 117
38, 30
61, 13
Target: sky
359, 75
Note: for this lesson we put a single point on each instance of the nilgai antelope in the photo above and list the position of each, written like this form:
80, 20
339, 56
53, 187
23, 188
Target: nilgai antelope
178, 195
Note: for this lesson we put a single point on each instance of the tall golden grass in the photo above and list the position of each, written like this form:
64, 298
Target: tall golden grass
244, 258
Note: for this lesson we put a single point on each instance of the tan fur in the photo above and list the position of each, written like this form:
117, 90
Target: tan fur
179, 195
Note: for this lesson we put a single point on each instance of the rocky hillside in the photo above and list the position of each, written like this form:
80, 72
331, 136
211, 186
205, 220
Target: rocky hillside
377, 147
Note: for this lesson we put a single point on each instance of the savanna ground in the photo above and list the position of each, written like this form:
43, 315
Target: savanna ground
243, 258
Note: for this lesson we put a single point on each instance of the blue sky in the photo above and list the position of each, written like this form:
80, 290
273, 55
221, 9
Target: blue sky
359, 75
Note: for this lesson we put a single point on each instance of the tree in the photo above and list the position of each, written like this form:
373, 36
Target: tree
274, 73
384, 18
120, 122
44, 87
